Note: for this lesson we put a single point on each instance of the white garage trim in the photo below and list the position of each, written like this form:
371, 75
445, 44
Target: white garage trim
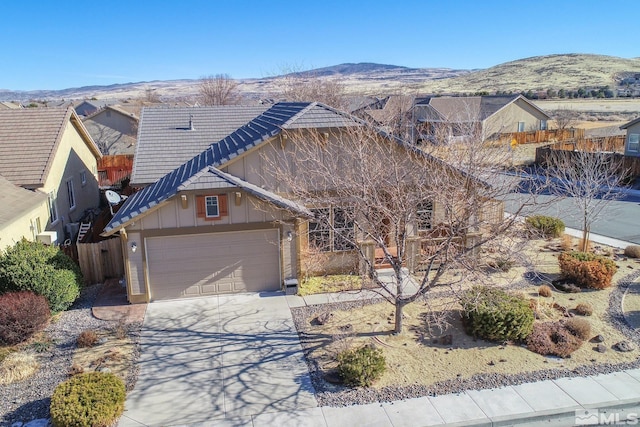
192, 265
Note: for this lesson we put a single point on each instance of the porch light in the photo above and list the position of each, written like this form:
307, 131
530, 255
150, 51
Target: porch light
134, 247
289, 236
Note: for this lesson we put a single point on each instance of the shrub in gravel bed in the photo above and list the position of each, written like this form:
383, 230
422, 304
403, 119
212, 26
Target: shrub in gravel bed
584, 309
495, 315
587, 269
581, 328
547, 226
544, 291
18, 366
632, 251
87, 338
22, 314
362, 366
553, 338
93, 399
44, 270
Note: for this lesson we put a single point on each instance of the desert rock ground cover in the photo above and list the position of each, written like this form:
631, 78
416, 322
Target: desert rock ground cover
434, 355
58, 356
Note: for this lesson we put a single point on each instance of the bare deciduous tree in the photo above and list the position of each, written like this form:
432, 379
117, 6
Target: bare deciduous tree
388, 202
150, 95
589, 180
220, 89
565, 119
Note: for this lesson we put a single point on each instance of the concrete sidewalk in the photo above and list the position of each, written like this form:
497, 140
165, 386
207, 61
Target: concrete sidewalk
562, 402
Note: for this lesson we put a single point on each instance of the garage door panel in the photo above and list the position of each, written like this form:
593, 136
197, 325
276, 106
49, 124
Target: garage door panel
209, 264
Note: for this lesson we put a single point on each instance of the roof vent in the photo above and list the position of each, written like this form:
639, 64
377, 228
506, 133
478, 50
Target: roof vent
191, 122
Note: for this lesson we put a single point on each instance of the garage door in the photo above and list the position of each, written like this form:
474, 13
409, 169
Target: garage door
210, 264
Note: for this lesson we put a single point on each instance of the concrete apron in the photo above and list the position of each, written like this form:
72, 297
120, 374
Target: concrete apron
214, 358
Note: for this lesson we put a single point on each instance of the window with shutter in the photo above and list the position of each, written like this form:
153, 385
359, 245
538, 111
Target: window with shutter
213, 207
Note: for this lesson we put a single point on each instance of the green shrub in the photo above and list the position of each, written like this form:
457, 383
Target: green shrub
92, 399
553, 338
44, 270
632, 251
495, 315
547, 226
362, 366
587, 269
22, 314
584, 309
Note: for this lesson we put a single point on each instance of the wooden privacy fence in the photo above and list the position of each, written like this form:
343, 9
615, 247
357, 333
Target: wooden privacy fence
614, 144
99, 261
628, 164
538, 136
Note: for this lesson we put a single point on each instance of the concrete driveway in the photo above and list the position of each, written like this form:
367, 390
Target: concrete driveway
219, 360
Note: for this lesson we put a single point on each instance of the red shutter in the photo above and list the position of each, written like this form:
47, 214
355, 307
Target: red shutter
223, 205
200, 207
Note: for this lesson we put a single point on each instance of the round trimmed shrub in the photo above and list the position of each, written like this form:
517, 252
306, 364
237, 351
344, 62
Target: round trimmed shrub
94, 399
547, 226
584, 309
22, 314
495, 315
362, 366
587, 270
44, 270
632, 251
545, 291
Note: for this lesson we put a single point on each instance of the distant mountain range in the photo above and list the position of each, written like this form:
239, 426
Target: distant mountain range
568, 71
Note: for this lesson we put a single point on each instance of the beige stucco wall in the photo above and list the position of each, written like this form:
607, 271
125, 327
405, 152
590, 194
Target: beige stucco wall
506, 120
71, 158
12, 232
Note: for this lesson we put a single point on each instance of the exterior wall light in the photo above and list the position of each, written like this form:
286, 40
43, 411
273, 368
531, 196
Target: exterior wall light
134, 247
289, 236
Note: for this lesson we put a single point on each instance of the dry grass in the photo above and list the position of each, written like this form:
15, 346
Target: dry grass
18, 366
116, 354
429, 351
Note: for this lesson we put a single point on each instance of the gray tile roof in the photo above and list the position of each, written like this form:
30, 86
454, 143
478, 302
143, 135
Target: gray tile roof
28, 140
110, 141
200, 172
257, 130
165, 141
458, 109
631, 123
15, 201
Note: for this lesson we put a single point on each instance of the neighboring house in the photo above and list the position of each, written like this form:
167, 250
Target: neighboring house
113, 130
210, 217
441, 118
49, 151
90, 106
632, 142
22, 213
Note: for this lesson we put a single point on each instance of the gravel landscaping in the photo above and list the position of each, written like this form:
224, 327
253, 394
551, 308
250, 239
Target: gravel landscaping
28, 400
335, 395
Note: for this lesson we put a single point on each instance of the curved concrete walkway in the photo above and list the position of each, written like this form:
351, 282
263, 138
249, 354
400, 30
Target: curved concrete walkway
631, 304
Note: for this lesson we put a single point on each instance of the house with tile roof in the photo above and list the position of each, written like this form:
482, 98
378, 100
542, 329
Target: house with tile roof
113, 130
447, 117
46, 151
210, 217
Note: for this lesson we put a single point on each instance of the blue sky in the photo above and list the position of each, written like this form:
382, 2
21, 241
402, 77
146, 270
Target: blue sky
49, 44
